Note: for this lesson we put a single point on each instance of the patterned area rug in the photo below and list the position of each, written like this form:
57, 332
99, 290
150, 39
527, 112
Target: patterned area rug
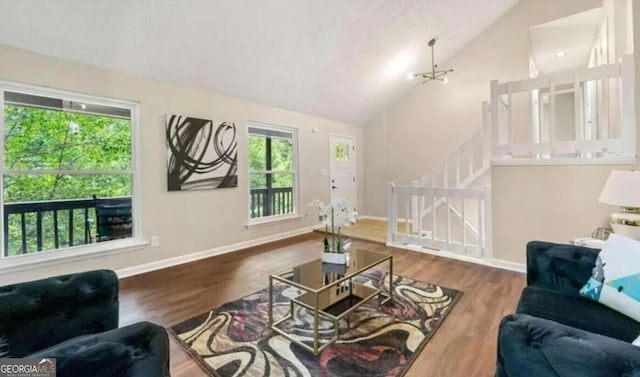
233, 340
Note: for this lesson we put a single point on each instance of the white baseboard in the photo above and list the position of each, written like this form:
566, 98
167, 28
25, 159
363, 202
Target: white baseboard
170, 262
508, 265
497, 263
365, 217
440, 253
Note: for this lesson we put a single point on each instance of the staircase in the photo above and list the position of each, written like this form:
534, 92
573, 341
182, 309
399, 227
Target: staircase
443, 210
448, 211
460, 169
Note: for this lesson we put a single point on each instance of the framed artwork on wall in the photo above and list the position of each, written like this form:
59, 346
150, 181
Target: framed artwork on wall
201, 154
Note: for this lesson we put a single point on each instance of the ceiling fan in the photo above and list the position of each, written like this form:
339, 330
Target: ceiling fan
433, 74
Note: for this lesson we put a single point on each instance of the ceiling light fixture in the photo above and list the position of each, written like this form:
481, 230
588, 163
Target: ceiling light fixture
560, 54
434, 74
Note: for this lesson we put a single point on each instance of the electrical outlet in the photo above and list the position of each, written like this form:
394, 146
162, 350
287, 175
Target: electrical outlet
155, 241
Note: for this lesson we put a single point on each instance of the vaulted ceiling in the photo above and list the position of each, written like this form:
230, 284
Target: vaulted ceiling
340, 59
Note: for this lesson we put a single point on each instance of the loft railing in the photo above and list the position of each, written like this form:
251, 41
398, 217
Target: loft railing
586, 115
271, 201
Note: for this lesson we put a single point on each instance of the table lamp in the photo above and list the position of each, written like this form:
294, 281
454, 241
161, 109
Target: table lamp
623, 189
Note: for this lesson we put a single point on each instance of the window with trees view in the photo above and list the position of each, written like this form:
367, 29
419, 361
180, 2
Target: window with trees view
67, 170
272, 171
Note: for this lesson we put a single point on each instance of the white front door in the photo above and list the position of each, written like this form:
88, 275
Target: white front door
342, 165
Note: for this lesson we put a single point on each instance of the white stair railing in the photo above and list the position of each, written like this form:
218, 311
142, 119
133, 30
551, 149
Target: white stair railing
440, 233
459, 169
465, 163
586, 115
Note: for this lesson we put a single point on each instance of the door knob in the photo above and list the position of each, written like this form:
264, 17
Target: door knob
334, 187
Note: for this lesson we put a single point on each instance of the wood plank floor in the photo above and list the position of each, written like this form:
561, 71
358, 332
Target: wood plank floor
369, 230
465, 344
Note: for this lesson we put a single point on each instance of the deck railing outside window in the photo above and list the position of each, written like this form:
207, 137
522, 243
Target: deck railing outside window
31, 227
271, 202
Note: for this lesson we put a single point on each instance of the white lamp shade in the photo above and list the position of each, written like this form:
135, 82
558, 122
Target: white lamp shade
622, 189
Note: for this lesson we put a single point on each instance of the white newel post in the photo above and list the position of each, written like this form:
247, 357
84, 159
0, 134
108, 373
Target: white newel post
421, 208
464, 224
446, 173
628, 112
488, 225
495, 119
486, 133
415, 208
603, 107
471, 145
457, 152
392, 222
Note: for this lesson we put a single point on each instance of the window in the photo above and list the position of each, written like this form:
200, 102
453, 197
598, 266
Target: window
66, 169
272, 171
342, 152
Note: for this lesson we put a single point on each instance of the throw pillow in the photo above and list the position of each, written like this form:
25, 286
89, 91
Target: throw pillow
637, 342
615, 281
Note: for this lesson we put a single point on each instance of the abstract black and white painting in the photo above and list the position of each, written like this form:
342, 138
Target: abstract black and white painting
201, 154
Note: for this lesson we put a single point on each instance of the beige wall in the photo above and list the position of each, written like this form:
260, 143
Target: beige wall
550, 203
556, 203
186, 222
376, 167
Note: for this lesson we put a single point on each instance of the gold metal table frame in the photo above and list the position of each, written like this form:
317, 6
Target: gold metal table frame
320, 298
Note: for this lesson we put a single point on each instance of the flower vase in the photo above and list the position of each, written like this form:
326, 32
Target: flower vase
335, 258
334, 216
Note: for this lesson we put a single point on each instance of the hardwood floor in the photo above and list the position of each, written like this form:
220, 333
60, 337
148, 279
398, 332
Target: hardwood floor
465, 344
370, 230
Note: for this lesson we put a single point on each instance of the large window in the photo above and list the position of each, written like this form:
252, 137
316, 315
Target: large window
272, 171
67, 170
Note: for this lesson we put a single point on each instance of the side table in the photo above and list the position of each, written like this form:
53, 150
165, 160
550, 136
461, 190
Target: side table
588, 242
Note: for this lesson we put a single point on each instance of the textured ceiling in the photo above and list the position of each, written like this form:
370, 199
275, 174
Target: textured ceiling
340, 59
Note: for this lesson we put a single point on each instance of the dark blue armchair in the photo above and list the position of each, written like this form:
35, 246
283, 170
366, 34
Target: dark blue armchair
74, 319
555, 332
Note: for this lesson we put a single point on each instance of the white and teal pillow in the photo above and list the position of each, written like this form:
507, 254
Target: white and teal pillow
637, 342
616, 276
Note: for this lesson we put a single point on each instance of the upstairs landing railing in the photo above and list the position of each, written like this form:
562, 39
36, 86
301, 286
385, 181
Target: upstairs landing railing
582, 116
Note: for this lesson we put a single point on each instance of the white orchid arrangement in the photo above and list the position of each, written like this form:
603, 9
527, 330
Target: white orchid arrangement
336, 214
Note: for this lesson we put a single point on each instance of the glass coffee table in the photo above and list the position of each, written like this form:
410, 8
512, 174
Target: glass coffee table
330, 291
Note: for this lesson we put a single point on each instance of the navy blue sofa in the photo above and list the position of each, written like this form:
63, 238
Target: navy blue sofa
74, 319
555, 332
